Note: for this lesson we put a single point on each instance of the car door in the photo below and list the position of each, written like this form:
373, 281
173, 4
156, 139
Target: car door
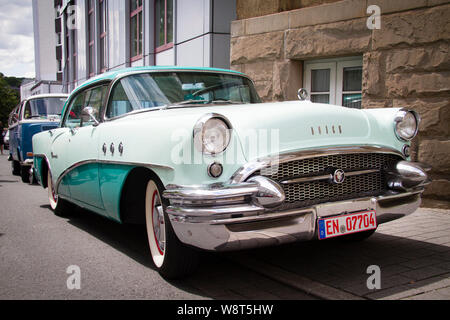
83, 150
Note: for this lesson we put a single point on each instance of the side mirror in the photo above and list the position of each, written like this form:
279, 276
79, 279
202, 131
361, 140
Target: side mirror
303, 94
88, 115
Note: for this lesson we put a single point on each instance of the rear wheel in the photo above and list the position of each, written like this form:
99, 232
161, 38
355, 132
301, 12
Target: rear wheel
171, 258
60, 207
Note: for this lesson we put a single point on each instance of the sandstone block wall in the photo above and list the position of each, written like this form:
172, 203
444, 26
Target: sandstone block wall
405, 64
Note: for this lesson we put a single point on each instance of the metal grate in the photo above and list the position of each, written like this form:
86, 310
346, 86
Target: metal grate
307, 193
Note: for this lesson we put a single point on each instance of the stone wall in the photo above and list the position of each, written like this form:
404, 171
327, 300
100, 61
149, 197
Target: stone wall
405, 63
256, 8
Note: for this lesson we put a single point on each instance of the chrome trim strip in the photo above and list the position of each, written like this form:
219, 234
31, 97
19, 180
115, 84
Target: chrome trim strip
263, 217
84, 162
252, 213
219, 191
249, 168
327, 177
198, 215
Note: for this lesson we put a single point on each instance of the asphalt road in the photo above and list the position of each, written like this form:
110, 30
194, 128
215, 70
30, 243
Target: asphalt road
37, 247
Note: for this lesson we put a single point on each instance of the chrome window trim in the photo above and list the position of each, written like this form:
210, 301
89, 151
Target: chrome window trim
249, 168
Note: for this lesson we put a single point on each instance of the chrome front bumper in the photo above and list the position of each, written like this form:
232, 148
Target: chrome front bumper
225, 217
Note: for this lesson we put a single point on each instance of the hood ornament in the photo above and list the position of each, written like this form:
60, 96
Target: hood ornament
303, 94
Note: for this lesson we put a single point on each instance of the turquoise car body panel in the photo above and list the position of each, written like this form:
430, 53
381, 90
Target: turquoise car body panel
161, 140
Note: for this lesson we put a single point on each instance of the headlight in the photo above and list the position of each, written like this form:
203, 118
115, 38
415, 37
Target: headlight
406, 124
212, 134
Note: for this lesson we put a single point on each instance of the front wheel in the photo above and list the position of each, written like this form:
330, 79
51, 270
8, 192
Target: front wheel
171, 258
60, 207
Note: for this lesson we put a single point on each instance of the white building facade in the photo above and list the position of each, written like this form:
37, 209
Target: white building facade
95, 36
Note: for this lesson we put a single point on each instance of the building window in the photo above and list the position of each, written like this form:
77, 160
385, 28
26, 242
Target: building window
103, 46
337, 81
74, 56
164, 24
91, 37
136, 29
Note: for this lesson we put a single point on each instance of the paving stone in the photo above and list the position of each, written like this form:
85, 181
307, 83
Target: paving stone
423, 273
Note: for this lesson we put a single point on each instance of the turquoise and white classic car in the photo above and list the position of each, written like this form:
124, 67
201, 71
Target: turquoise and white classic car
194, 155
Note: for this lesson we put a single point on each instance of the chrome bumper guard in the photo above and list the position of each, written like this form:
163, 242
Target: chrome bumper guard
225, 217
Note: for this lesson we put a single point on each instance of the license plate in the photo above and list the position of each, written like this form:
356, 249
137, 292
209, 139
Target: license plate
347, 224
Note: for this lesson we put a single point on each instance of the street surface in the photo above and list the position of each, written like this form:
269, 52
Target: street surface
36, 248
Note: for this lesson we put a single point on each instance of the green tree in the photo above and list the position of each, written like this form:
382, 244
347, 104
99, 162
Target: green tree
9, 98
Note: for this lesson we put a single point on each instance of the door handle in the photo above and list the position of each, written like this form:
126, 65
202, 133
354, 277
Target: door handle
54, 156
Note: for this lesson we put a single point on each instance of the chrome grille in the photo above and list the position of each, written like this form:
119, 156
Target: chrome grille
313, 192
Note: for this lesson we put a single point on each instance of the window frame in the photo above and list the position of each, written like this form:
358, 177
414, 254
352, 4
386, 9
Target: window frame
341, 65
336, 67
103, 47
91, 37
321, 66
140, 27
166, 45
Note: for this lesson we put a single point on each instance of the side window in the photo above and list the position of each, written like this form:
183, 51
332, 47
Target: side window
119, 103
94, 98
73, 118
90, 98
27, 111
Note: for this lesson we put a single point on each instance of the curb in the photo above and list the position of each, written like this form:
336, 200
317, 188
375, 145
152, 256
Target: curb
295, 281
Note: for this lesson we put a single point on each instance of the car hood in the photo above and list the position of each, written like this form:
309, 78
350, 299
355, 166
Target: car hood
298, 125
273, 128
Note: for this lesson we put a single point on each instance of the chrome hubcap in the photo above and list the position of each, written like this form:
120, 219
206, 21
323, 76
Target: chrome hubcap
158, 224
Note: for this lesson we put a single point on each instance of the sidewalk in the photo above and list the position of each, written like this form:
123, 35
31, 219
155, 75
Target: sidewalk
413, 254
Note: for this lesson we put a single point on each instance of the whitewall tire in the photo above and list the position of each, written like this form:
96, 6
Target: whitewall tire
171, 258
59, 206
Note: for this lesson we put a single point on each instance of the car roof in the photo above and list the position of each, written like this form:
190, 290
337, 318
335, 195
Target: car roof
47, 95
111, 75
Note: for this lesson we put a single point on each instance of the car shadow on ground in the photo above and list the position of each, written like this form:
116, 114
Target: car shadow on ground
405, 263
217, 276
407, 266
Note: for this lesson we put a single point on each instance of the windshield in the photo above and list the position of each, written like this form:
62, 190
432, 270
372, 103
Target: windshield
145, 91
44, 107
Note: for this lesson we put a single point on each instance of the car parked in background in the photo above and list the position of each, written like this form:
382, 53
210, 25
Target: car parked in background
33, 115
194, 155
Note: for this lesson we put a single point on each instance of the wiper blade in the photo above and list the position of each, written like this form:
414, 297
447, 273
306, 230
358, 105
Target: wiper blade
191, 101
225, 101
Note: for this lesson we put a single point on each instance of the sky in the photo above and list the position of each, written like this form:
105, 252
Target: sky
16, 38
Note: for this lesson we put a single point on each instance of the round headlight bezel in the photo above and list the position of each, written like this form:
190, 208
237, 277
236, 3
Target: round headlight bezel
399, 118
199, 133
